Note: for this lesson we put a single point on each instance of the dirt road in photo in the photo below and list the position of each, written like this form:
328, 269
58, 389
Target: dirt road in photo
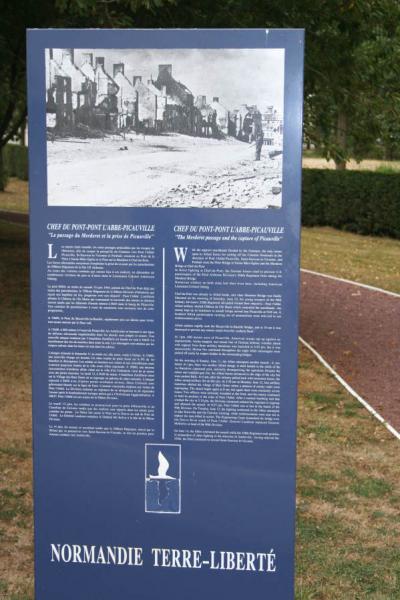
166, 170
357, 331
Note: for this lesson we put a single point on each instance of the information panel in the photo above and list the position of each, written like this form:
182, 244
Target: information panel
165, 170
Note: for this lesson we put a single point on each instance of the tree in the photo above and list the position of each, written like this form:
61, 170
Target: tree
351, 68
16, 17
352, 62
378, 62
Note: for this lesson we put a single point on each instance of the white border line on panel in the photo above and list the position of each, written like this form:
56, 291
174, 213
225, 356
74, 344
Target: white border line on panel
363, 285
163, 349
350, 389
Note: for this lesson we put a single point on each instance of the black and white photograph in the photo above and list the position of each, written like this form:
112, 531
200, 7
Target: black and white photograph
176, 128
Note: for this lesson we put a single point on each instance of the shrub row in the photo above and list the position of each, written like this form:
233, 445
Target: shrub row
16, 161
359, 201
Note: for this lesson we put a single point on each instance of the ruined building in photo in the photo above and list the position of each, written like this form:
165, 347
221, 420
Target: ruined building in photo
87, 96
272, 122
126, 97
209, 126
150, 105
79, 98
181, 114
222, 115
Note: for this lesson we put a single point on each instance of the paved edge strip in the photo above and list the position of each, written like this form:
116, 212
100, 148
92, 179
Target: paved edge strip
364, 285
351, 391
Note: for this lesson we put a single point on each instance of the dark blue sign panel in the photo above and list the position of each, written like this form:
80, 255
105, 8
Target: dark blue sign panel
165, 212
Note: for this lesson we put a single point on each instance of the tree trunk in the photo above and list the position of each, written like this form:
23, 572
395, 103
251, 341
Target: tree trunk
3, 174
340, 164
341, 131
389, 151
22, 134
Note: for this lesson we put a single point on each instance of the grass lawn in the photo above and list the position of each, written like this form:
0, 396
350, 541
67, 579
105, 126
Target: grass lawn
16, 571
15, 198
371, 260
348, 495
348, 526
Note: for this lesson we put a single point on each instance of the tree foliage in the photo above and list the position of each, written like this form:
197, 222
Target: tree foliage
107, 13
352, 64
352, 76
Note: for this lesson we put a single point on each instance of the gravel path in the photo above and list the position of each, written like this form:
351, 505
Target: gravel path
358, 332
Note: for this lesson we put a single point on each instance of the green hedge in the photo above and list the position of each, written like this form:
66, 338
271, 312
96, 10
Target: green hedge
359, 201
16, 161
